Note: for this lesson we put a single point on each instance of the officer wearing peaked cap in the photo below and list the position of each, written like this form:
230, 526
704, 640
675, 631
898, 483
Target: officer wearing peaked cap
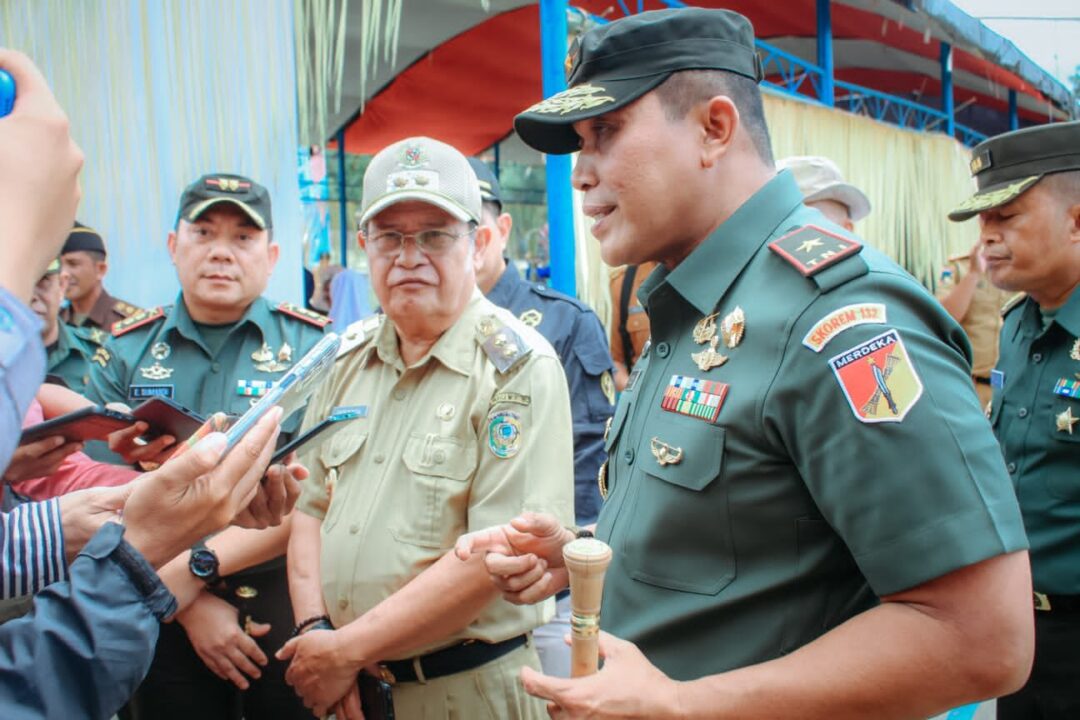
1028, 203
219, 347
779, 499
83, 260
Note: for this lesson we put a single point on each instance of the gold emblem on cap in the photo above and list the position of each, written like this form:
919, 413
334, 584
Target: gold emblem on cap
580, 97
665, 454
733, 327
1065, 421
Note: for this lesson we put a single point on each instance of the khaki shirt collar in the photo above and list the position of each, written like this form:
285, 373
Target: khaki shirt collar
455, 348
707, 273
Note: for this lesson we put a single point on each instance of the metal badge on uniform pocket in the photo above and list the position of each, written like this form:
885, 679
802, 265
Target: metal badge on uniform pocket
665, 454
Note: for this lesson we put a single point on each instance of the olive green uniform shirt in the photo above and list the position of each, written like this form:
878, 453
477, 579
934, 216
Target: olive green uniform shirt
163, 353
447, 445
74, 352
744, 537
1035, 414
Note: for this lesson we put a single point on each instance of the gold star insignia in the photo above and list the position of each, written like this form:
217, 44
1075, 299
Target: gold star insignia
1065, 421
808, 245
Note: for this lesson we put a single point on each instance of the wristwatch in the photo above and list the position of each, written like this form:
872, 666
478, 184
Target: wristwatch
203, 564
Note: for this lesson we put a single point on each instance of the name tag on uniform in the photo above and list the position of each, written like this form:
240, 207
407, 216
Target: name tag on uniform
142, 392
997, 379
1067, 388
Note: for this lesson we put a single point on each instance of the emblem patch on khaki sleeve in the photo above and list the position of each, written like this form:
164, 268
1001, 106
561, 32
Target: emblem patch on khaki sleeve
878, 379
504, 434
838, 321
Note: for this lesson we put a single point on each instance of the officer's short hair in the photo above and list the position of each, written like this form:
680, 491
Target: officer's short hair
490, 208
685, 89
95, 255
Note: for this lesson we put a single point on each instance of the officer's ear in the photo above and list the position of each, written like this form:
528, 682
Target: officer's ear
273, 252
719, 122
482, 237
171, 245
1074, 222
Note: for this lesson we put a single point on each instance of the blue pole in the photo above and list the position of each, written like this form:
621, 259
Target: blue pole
947, 104
825, 52
342, 199
560, 202
1014, 116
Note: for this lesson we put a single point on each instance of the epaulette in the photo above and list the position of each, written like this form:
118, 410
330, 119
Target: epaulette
1013, 302
359, 334
302, 313
811, 249
125, 309
545, 292
143, 317
501, 343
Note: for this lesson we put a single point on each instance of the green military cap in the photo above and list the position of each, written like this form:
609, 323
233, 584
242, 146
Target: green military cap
210, 190
1006, 165
615, 64
83, 238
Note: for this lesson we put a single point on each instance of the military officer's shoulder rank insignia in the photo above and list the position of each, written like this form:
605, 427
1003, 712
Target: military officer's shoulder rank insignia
125, 309
1012, 303
811, 249
501, 343
358, 334
302, 313
142, 317
878, 378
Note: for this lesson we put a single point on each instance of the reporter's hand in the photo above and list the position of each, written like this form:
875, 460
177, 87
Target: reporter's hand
39, 178
193, 495
276, 496
126, 443
523, 557
39, 458
212, 626
83, 512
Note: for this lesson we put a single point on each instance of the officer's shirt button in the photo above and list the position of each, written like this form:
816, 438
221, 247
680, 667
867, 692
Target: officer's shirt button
663, 349
1011, 467
1022, 412
215, 367
1037, 357
379, 458
343, 603
439, 456
353, 529
629, 456
399, 394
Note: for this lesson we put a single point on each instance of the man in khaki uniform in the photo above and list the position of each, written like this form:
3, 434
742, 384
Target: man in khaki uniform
465, 421
824, 188
973, 301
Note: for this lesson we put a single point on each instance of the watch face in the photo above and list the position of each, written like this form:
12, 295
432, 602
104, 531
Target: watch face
203, 563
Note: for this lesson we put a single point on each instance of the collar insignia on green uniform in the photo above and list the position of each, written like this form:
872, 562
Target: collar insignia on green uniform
1067, 388
878, 378
504, 433
101, 357
531, 317
97, 335
811, 249
302, 313
501, 343
579, 97
142, 317
694, 397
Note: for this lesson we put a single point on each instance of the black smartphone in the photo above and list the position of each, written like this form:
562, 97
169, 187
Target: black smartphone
166, 417
376, 697
88, 423
335, 421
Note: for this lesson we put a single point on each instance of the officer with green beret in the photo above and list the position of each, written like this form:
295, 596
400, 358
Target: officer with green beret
70, 350
807, 512
84, 262
1028, 203
219, 347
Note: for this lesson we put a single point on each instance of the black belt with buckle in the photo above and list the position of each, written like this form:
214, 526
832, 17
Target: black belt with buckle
454, 659
981, 380
1057, 603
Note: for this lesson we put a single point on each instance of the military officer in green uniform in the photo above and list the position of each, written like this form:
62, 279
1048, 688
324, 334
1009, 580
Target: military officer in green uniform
467, 417
1028, 203
807, 512
84, 262
70, 351
219, 347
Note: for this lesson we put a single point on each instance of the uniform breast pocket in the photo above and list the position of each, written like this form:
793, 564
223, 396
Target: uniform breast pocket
436, 504
334, 456
681, 537
1064, 485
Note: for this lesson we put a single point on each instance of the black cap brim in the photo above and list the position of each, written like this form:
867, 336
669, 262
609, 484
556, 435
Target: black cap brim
548, 125
193, 213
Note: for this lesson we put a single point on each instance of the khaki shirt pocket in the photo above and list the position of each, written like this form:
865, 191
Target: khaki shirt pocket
682, 537
433, 510
333, 455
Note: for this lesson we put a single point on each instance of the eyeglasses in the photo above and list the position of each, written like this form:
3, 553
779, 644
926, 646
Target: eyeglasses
429, 242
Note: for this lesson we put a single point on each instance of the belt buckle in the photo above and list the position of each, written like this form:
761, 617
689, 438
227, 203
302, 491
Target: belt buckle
386, 675
1042, 602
